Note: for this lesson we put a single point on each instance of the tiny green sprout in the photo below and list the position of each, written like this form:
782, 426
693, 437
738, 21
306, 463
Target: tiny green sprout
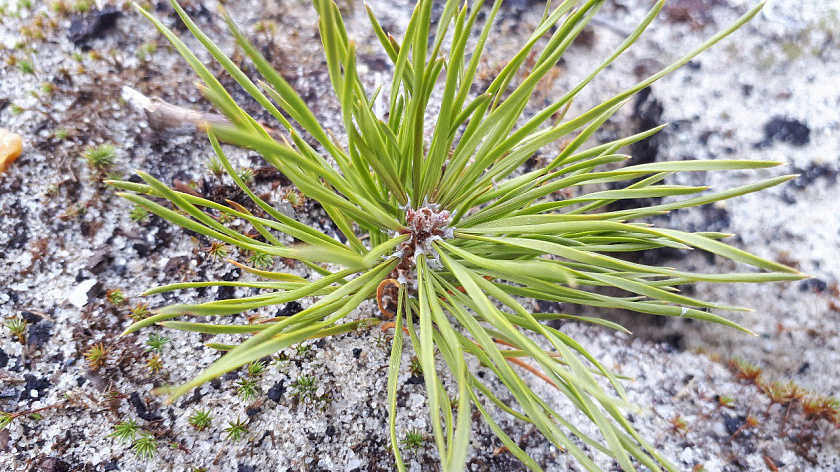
302, 350
246, 175
58, 7
781, 392
826, 407
146, 447
679, 424
15, 109
139, 214
256, 369
726, 401
114, 394
145, 51
225, 218
415, 367
60, 134
47, 88
305, 387
236, 429
116, 296
140, 311
78, 57
214, 165
198, 469
295, 199
96, 356
265, 27
247, 389
125, 432
746, 370
113, 175
281, 360
156, 342
414, 439
200, 419
154, 364
217, 250
24, 4
750, 422
382, 341
260, 260
17, 326
82, 6
5, 420
26, 67
100, 157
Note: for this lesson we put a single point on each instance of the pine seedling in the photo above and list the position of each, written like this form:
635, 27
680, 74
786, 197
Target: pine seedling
145, 447
200, 419
236, 429
438, 213
125, 432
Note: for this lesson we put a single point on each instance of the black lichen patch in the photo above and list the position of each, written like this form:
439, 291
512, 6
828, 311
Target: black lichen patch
276, 392
39, 333
141, 409
807, 176
95, 25
734, 423
785, 130
647, 114
34, 384
289, 309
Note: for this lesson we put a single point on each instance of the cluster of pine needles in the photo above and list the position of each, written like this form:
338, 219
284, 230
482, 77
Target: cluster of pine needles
446, 230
